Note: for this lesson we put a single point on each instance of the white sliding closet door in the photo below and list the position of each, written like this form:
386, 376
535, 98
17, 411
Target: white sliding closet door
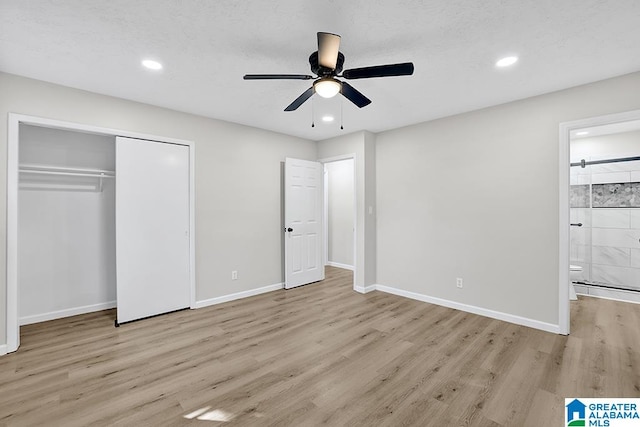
152, 228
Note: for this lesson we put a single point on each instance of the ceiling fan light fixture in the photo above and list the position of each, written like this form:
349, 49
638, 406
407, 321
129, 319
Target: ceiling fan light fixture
327, 87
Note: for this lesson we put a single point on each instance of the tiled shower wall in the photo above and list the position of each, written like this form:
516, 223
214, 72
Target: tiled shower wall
606, 200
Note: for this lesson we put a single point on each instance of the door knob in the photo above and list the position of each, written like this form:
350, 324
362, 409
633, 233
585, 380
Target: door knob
289, 229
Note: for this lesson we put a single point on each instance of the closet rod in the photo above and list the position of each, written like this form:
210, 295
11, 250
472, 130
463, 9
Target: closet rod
92, 175
32, 166
45, 186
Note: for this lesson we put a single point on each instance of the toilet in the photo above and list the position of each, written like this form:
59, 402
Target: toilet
575, 274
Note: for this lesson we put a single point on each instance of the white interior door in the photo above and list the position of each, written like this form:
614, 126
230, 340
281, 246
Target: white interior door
152, 228
303, 197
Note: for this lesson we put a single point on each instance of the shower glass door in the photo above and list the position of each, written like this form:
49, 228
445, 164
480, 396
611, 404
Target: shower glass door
580, 216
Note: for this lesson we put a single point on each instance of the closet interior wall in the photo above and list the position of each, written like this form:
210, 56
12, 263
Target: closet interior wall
66, 223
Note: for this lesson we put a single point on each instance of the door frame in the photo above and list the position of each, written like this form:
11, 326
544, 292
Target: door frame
13, 141
325, 213
563, 224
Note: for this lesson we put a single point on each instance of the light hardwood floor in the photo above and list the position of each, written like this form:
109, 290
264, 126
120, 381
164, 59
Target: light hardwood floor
319, 354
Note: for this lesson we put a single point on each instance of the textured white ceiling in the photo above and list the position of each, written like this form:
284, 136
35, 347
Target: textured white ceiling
206, 47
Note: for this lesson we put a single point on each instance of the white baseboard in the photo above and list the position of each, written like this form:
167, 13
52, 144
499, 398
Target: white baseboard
238, 295
364, 289
3, 349
511, 318
36, 318
338, 265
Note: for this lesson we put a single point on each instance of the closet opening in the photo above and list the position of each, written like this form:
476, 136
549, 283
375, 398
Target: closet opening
97, 218
66, 223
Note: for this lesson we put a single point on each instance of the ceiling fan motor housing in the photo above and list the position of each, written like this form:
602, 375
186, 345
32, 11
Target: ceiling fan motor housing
321, 71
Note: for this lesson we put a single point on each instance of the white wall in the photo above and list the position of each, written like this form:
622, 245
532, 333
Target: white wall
472, 196
238, 179
66, 228
362, 145
476, 196
621, 144
340, 210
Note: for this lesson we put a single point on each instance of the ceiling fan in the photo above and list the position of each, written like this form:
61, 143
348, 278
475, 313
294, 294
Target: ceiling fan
326, 63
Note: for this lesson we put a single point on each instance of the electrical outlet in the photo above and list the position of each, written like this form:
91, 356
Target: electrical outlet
234, 275
459, 282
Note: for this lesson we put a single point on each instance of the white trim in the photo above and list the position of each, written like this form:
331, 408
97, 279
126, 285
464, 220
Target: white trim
36, 318
338, 158
325, 214
192, 223
349, 156
563, 204
14, 121
365, 289
511, 318
3, 349
63, 125
563, 232
239, 295
339, 265
13, 328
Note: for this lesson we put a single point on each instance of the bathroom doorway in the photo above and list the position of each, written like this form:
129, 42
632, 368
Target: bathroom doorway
600, 209
340, 213
604, 202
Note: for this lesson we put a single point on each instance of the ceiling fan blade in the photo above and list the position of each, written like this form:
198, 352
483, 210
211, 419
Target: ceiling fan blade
300, 100
328, 48
277, 77
354, 96
404, 69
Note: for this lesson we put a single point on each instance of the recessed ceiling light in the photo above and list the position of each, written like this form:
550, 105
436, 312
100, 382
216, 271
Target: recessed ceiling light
151, 64
582, 133
507, 61
327, 118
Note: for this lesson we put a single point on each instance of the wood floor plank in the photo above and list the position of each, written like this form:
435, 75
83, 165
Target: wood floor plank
546, 409
318, 354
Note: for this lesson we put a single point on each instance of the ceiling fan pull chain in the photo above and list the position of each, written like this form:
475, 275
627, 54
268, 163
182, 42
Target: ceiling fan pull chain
313, 115
341, 115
